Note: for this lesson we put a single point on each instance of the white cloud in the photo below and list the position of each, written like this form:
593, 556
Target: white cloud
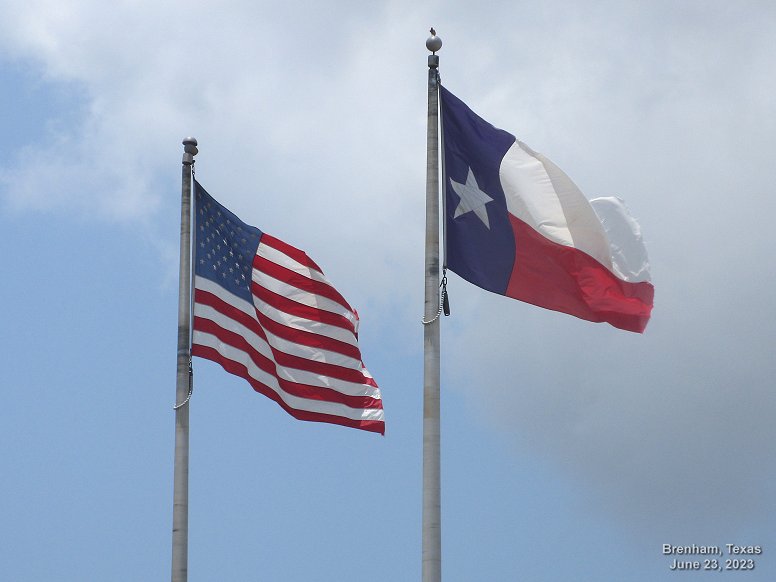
318, 110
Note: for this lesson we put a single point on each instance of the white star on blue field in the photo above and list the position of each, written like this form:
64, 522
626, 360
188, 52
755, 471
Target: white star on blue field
472, 199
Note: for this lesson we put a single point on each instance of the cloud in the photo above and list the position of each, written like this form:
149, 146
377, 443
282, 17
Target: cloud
318, 110
153, 73
667, 428
322, 115
671, 427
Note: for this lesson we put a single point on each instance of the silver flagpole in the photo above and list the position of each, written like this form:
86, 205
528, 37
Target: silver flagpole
180, 504
432, 525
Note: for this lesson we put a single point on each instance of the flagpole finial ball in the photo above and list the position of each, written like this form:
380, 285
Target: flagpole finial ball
433, 42
190, 146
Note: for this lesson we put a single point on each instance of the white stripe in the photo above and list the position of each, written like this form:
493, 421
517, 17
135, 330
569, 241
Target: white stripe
205, 339
280, 258
314, 354
304, 324
261, 346
280, 317
544, 197
295, 402
306, 298
301, 295
212, 287
293, 349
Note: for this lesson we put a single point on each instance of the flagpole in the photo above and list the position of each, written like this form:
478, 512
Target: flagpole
432, 525
180, 505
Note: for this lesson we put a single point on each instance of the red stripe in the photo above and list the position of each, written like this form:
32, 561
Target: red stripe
240, 370
265, 364
562, 278
261, 322
281, 358
320, 368
308, 338
206, 298
296, 254
299, 281
283, 303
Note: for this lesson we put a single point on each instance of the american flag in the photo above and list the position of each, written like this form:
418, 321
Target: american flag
264, 311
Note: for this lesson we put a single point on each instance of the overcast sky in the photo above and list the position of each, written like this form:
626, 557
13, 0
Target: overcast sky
570, 450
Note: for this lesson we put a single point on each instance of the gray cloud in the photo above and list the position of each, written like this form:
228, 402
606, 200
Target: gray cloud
668, 106
666, 110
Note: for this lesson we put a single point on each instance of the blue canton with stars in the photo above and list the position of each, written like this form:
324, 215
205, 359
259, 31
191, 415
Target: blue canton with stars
224, 245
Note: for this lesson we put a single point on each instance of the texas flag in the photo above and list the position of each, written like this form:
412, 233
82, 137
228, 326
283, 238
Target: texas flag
518, 226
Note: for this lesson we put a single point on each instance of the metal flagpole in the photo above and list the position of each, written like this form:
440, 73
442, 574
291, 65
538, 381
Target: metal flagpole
432, 525
180, 504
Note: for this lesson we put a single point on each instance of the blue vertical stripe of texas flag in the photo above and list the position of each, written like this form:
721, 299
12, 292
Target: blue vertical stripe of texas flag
224, 245
481, 255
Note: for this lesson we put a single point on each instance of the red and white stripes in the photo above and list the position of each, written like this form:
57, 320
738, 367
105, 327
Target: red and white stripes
296, 344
